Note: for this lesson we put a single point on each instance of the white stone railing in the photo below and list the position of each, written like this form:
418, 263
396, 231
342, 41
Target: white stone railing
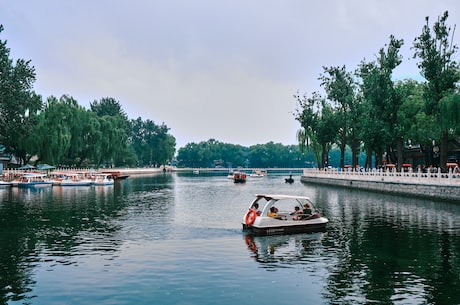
437, 178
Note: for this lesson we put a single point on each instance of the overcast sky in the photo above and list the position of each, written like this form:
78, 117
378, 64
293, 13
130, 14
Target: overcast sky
226, 70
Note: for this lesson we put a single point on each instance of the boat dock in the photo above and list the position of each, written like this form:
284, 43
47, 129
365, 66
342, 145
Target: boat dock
445, 186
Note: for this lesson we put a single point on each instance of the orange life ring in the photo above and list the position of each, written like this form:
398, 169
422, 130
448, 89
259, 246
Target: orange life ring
250, 217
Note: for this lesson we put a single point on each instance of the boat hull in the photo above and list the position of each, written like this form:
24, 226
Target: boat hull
263, 231
4, 184
34, 184
76, 183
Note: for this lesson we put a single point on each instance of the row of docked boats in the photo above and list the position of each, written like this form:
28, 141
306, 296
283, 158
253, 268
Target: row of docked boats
36, 180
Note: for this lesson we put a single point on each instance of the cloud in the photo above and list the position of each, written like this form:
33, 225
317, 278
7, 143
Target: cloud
208, 69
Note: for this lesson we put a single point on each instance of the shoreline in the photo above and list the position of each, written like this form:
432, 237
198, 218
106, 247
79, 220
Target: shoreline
441, 187
137, 171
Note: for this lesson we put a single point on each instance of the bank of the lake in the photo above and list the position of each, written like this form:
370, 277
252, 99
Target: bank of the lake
445, 186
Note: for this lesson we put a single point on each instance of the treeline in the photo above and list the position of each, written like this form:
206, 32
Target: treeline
366, 110
213, 153
63, 133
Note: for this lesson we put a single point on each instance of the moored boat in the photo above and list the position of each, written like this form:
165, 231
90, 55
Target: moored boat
4, 184
282, 214
102, 179
34, 180
116, 175
75, 179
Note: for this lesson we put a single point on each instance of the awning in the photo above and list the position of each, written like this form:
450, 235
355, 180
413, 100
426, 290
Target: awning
45, 166
27, 166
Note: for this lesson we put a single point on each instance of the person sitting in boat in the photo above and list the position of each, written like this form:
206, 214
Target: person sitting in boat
274, 213
297, 214
255, 207
307, 209
306, 212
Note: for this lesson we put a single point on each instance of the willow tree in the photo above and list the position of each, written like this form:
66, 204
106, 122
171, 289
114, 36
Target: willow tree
115, 126
53, 133
450, 106
436, 52
308, 118
318, 122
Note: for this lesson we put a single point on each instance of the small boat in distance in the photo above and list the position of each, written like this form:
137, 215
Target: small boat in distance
239, 177
289, 180
282, 214
258, 173
230, 174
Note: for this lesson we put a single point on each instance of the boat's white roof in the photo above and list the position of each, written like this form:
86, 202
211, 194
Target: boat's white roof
281, 196
34, 175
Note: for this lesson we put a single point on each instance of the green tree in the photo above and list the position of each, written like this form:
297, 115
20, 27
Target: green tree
319, 126
381, 127
436, 52
416, 126
339, 86
52, 135
152, 143
19, 104
108, 106
115, 128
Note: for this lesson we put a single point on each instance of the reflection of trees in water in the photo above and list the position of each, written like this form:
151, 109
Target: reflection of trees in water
386, 249
377, 248
58, 223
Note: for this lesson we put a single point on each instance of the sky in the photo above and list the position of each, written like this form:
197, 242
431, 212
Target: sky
223, 70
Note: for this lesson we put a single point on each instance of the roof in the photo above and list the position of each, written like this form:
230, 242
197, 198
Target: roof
281, 196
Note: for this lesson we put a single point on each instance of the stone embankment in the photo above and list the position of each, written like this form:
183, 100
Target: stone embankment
445, 186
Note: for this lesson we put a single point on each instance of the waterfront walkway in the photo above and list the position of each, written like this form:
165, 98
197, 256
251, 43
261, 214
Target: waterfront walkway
388, 176
431, 185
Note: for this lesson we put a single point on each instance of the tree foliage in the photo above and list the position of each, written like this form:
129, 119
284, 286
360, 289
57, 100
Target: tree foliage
151, 142
383, 116
213, 153
19, 104
339, 86
436, 52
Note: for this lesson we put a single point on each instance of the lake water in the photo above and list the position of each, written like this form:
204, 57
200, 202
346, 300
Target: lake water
177, 239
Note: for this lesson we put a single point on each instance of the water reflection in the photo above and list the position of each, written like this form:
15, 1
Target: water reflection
377, 249
59, 225
285, 251
385, 243
159, 234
